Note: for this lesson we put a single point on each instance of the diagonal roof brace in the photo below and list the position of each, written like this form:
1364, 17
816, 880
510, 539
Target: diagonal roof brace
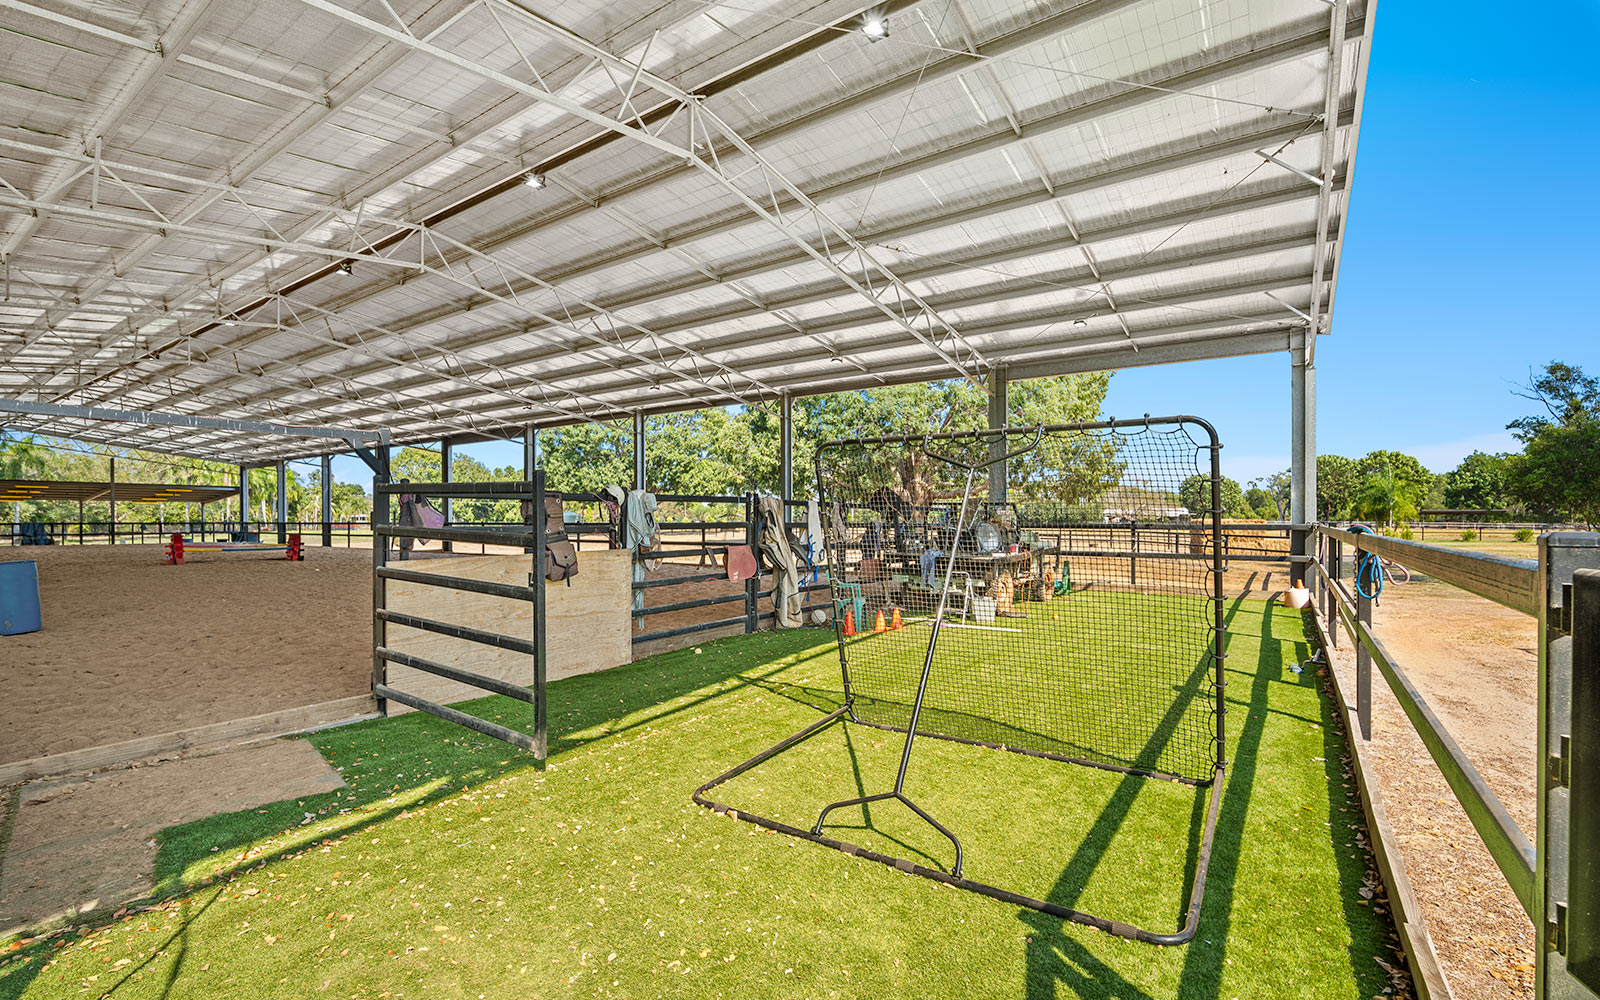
359, 440
888, 294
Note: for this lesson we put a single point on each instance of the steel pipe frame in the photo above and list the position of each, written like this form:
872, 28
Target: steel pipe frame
696, 114
780, 359
371, 66
1297, 44
998, 292
368, 73
1152, 165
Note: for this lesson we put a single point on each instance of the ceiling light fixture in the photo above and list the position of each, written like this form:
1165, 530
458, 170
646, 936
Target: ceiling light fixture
346, 267
1080, 322
875, 28
533, 179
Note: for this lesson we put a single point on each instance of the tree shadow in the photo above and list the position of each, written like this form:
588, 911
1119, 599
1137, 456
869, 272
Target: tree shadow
413, 761
1057, 959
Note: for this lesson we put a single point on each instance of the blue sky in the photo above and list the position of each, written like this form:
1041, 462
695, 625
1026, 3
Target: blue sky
1471, 232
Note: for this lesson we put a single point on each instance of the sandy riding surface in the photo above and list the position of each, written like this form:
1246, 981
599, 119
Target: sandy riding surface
132, 647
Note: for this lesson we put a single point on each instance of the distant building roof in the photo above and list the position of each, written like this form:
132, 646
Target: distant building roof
45, 489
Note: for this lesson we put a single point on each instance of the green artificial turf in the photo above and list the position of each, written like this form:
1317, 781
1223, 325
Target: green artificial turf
453, 867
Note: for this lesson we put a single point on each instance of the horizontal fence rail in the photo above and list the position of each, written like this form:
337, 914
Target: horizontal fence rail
1511, 582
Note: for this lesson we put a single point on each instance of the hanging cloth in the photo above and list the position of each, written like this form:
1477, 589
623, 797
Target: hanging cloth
775, 547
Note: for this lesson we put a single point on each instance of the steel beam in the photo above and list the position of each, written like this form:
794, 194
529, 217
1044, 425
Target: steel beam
786, 446
639, 468
327, 501
999, 417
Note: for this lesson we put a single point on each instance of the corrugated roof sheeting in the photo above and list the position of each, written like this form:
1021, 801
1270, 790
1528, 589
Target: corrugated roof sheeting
1079, 180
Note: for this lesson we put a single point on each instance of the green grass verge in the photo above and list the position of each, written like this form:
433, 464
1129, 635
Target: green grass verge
451, 867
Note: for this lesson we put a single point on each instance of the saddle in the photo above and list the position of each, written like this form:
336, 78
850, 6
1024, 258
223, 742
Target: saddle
560, 555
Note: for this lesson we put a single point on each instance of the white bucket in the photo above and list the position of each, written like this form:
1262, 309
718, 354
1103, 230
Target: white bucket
1296, 597
983, 609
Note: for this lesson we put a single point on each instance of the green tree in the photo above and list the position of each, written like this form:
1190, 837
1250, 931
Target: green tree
1338, 481
1387, 496
1559, 468
584, 458
1262, 503
1409, 474
1478, 483
1276, 487
1195, 494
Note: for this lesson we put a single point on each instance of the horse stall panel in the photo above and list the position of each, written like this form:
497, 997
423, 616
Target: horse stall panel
587, 623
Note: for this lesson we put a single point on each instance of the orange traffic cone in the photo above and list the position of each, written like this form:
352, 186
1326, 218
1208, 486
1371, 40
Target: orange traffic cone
894, 622
879, 626
849, 622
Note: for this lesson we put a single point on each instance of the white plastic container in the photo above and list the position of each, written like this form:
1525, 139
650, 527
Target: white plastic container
983, 609
1296, 597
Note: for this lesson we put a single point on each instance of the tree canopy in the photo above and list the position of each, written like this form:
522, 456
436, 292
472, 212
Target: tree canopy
1559, 469
1478, 483
1195, 494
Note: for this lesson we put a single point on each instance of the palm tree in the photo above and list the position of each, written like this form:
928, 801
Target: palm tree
21, 458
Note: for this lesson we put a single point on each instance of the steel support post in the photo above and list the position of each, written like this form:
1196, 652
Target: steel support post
999, 416
1566, 896
446, 458
1302, 451
638, 452
327, 501
112, 498
280, 504
244, 498
786, 447
530, 452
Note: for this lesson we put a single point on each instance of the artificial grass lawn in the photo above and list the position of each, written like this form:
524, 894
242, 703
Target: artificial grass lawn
451, 866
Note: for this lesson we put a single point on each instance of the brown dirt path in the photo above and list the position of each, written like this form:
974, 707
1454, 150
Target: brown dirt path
1476, 663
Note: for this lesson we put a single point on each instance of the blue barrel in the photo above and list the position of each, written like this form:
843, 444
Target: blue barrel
19, 597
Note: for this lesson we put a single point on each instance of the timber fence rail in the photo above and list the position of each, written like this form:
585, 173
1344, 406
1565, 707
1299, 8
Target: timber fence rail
1510, 582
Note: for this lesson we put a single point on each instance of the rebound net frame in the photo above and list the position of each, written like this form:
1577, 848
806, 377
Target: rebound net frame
917, 506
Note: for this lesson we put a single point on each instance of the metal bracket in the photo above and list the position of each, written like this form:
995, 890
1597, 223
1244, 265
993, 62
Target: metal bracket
1555, 931
1561, 765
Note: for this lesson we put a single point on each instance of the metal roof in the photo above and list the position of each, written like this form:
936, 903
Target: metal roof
324, 212
42, 489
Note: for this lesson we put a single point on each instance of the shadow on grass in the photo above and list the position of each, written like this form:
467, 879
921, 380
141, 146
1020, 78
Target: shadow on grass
1057, 959
414, 761
1059, 963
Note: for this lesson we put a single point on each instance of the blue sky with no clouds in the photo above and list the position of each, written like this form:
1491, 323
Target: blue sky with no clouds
1471, 232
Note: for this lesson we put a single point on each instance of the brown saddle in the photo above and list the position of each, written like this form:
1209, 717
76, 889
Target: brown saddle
560, 555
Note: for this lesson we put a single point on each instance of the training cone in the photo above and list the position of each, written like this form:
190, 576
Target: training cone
879, 626
849, 622
894, 622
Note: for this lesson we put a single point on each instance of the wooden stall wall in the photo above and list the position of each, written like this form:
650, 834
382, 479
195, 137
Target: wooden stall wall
589, 622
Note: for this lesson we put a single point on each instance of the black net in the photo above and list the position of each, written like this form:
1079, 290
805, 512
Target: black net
1080, 612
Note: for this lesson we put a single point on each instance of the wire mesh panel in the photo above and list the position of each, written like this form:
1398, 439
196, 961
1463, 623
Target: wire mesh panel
1080, 606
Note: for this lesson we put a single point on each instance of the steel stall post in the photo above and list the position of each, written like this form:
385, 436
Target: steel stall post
638, 452
1566, 917
280, 504
537, 581
327, 501
446, 457
244, 500
999, 417
786, 448
380, 558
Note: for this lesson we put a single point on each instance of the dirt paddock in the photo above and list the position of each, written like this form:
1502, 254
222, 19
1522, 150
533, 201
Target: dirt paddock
132, 647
